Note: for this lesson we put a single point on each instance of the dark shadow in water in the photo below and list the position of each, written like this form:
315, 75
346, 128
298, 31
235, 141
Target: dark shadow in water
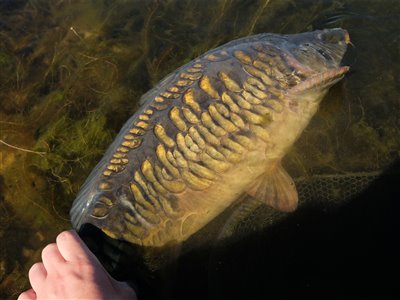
351, 252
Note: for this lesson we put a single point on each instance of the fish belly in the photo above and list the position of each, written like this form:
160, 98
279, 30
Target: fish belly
200, 207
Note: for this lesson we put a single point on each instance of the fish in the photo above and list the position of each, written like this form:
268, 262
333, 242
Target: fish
215, 129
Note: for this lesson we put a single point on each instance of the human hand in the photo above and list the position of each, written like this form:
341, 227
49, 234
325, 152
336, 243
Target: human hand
70, 271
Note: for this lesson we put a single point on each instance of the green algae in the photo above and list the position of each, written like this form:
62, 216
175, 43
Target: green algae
6, 62
71, 145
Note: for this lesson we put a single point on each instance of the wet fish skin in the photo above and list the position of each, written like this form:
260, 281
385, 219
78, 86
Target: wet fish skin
212, 130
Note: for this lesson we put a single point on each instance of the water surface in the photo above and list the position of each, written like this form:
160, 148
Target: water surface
71, 73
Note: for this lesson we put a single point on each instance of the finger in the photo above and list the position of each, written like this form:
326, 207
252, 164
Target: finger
73, 249
37, 275
27, 295
51, 257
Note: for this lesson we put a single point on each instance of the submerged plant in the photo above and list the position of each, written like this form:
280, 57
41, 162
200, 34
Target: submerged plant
72, 147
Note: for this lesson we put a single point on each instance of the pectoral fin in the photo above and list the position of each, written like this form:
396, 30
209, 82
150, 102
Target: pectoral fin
277, 189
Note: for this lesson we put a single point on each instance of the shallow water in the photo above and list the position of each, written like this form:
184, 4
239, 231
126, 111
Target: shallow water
71, 73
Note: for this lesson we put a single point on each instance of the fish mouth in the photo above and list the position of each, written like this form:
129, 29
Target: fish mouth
321, 80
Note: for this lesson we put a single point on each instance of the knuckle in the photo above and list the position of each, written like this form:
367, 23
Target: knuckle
48, 249
23, 295
68, 234
35, 268
61, 236
27, 295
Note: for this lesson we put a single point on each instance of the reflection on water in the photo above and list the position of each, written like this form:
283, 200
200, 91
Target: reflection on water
71, 73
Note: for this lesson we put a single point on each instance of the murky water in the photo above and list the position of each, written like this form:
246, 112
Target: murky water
71, 73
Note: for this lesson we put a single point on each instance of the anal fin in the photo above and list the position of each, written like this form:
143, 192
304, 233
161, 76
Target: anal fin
277, 189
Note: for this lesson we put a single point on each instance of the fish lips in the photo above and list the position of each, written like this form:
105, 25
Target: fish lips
321, 80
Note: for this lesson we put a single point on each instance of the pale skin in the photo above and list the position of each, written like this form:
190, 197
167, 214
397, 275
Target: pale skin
70, 271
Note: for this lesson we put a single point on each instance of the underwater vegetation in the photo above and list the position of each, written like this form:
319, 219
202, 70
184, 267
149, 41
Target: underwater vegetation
71, 73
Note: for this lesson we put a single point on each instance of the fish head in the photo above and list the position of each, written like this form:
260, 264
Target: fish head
320, 50
304, 66
313, 64
316, 56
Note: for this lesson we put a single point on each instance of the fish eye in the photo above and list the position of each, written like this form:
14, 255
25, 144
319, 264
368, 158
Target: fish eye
331, 37
303, 48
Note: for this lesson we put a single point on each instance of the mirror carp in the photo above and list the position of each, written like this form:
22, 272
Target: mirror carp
214, 129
